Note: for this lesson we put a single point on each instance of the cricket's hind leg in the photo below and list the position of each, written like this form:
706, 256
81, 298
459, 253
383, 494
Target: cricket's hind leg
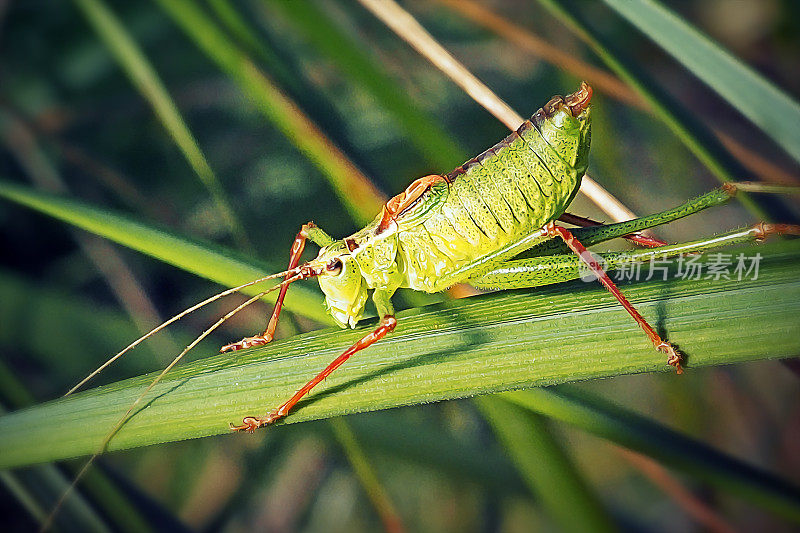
673, 356
308, 231
637, 238
540, 271
590, 233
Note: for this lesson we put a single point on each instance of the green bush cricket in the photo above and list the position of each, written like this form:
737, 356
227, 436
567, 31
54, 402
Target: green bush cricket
489, 223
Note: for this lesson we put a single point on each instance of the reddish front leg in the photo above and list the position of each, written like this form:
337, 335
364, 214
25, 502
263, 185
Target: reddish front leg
673, 356
251, 423
266, 337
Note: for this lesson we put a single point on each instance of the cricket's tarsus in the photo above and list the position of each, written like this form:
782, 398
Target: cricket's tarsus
764, 230
674, 357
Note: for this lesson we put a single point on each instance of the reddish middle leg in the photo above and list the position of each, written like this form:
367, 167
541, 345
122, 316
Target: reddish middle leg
661, 345
250, 423
637, 238
294, 259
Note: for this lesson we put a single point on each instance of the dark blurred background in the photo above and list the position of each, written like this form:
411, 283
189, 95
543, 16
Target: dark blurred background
72, 122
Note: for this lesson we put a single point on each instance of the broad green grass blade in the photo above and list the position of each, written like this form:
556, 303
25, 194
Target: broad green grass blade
669, 447
355, 190
422, 130
102, 215
767, 106
204, 259
473, 346
548, 471
144, 77
683, 123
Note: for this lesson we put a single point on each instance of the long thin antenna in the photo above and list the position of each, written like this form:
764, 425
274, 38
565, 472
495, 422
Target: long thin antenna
51, 517
174, 319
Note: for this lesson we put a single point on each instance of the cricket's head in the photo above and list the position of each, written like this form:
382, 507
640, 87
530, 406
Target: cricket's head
566, 124
341, 281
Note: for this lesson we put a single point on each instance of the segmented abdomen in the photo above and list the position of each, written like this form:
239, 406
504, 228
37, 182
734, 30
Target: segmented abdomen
492, 200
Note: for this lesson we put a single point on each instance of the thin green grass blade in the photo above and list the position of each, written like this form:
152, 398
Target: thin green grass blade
683, 123
144, 77
27, 309
365, 472
755, 97
285, 69
669, 447
38, 488
391, 434
239, 28
491, 343
433, 141
545, 466
354, 190
17, 489
204, 259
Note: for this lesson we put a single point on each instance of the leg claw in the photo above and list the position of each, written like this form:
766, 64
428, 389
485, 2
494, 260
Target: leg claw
247, 342
674, 357
249, 424
252, 423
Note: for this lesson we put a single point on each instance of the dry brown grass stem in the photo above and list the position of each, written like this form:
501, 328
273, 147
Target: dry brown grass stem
411, 31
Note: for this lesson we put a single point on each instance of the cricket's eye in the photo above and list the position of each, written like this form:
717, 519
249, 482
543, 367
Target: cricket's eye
334, 266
